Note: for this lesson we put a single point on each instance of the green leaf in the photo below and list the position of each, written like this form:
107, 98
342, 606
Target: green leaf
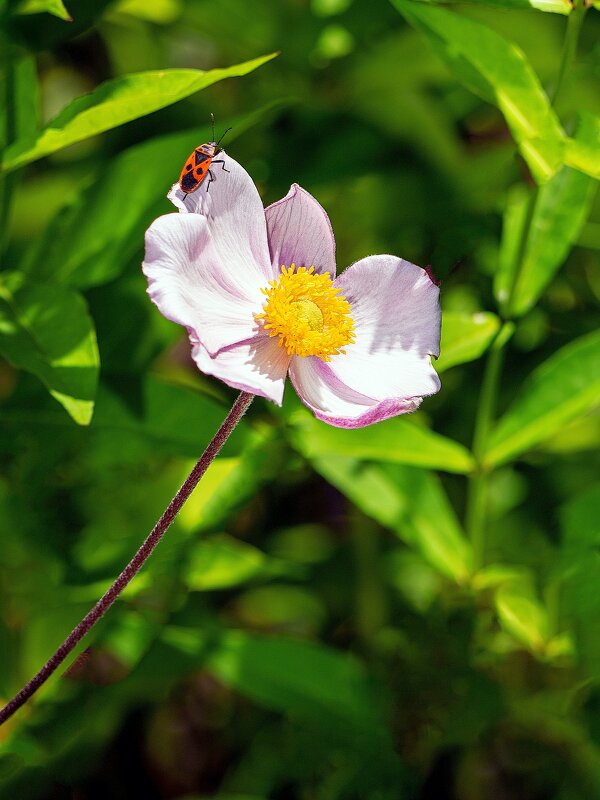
521, 614
550, 6
26, 101
54, 7
493, 576
232, 482
221, 562
119, 101
159, 12
287, 675
47, 330
561, 210
172, 418
581, 570
565, 386
306, 680
498, 71
411, 502
583, 152
465, 337
92, 239
39, 34
395, 440
582, 434
516, 207
562, 207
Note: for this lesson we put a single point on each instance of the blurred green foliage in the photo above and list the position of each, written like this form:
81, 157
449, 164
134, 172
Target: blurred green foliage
404, 611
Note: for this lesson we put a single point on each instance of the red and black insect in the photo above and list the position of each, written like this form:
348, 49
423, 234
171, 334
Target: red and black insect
198, 165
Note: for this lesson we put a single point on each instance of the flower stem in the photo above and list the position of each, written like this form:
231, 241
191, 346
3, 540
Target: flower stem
137, 562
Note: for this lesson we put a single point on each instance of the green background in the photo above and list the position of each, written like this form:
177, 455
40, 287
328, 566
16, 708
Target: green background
410, 610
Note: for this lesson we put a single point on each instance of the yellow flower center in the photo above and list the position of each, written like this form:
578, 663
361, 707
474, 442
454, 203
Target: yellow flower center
307, 313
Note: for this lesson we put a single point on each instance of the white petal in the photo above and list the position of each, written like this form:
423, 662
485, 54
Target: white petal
396, 313
258, 366
194, 286
387, 370
337, 404
235, 214
300, 233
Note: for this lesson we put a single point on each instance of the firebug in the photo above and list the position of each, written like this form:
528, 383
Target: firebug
198, 165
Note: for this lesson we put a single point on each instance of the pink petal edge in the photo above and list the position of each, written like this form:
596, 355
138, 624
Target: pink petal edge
384, 410
340, 405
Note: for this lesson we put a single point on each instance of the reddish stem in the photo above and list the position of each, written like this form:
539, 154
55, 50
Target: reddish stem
137, 562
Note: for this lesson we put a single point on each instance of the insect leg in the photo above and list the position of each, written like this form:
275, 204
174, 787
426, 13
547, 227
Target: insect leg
210, 179
220, 161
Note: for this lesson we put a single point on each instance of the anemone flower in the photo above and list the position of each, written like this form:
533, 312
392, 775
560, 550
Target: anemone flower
257, 291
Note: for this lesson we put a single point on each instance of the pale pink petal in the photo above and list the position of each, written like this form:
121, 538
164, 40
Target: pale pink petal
258, 365
396, 312
338, 404
192, 286
235, 216
300, 232
387, 370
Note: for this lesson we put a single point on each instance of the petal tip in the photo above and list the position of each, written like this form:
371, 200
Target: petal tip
432, 277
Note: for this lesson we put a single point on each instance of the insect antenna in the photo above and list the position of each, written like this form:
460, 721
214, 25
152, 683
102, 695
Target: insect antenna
212, 116
223, 136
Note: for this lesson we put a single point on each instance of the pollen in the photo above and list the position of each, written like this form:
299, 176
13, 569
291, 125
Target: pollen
307, 313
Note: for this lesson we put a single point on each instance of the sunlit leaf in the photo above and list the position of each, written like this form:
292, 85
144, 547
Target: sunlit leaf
583, 151
232, 482
160, 12
54, 7
465, 337
221, 562
129, 637
493, 576
551, 6
582, 434
411, 502
119, 101
522, 615
496, 69
47, 330
566, 385
396, 440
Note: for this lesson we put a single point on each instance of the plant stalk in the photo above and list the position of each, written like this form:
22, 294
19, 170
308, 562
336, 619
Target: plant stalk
137, 562
478, 480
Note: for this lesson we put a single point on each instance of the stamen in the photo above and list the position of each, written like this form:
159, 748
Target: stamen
307, 313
